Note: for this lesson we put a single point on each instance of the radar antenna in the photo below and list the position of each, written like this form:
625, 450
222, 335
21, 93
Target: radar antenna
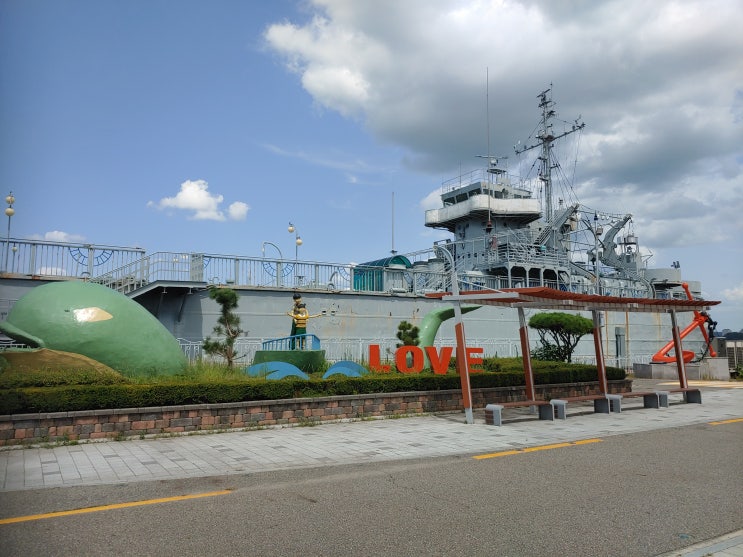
493, 160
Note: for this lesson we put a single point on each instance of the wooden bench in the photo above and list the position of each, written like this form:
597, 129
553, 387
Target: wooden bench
659, 399
650, 399
608, 403
555, 408
494, 412
604, 404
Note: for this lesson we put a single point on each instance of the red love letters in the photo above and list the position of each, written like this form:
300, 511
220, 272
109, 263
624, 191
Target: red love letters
410, 359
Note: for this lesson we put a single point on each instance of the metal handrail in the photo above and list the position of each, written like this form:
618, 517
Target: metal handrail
294, 342
130, 269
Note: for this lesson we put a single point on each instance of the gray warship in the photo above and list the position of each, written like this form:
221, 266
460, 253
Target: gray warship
506, 232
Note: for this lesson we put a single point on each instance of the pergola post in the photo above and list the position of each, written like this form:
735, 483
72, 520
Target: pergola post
519, 298
600, 364
526, 355
463, 367
680, 364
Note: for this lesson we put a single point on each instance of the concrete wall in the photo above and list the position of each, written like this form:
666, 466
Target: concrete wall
708, 368
190, 315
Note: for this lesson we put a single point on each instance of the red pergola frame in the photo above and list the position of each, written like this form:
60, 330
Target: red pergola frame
551, 299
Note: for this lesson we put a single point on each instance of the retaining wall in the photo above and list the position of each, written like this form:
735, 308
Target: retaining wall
708, 368
18, 429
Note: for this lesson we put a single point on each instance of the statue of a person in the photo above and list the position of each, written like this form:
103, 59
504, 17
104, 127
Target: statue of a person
297, 300
300, 316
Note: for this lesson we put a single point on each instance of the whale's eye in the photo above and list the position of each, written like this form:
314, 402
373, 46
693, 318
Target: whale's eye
89, 315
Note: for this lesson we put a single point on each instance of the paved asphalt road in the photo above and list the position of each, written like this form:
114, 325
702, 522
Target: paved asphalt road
591, 490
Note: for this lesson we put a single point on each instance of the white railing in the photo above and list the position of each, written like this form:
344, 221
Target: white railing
357, 350
40, 259
129, 269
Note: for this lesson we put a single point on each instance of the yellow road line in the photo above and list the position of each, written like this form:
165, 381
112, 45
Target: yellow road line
723, 422
111, 507
539, 448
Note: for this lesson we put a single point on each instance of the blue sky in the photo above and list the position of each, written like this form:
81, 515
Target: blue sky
208, 126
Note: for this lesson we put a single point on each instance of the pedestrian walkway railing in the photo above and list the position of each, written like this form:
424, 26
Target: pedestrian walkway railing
45, 259
129, 270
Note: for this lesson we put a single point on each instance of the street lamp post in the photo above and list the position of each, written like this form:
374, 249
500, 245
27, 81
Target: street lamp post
9, 212
263, 249
297, 239
279, 263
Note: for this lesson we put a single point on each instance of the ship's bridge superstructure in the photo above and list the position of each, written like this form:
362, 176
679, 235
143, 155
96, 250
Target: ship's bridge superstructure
467, 209
498, 231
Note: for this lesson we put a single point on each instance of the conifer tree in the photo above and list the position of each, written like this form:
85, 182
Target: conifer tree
564, 329
407, 334
228, 325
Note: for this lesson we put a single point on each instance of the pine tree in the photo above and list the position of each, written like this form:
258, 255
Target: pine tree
564, 329
407, 334
228, 325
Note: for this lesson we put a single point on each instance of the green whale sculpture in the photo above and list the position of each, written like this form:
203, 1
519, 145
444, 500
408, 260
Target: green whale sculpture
97, 322
433, 320
431, 323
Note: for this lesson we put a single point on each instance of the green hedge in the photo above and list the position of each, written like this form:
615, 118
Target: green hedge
97, 397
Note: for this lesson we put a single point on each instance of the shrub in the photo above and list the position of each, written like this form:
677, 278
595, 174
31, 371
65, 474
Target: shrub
548, 352
14, 379
230, 386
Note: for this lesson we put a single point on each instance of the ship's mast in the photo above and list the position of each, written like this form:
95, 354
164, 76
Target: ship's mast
493, 161
545, 139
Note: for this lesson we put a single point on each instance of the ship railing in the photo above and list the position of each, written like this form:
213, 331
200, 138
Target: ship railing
529, 254
608, 290
482, 175
471, 177
472, 269
42, 259
487, 254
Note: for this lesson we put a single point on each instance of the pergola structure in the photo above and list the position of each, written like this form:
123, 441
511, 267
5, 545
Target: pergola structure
551, 299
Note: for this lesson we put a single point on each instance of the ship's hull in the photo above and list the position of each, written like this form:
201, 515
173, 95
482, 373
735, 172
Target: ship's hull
351, 322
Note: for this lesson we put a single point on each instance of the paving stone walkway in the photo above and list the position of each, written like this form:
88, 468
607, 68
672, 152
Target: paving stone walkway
245, 452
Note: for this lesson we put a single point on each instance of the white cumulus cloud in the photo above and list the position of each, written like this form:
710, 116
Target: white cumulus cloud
238, 210
734, 294
658, 85
58, 236
195, 198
